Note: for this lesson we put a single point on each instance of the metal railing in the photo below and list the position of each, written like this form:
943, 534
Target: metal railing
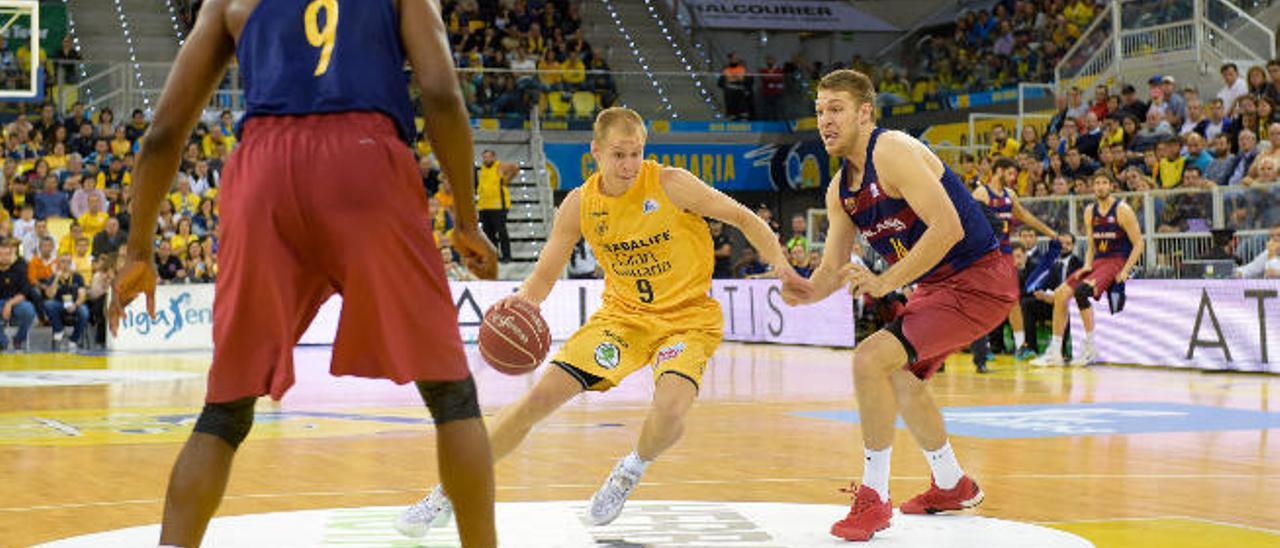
1166, 38
1137, 29
1240, 27
112, 85
1165, 249
1091, 56
1174, 222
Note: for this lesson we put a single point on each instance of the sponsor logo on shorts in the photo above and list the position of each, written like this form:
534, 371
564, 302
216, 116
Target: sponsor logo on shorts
650, 206
668, 353
608, 355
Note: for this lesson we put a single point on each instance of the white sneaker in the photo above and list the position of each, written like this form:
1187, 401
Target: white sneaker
1049, 359
1088, 357
72, 346
433, 510
607, 503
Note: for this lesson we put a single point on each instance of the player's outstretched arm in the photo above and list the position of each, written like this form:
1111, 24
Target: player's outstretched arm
1129, 222
448, 127
835, 252
904, 168
196, 73
1026, 216
555, 254
688, 192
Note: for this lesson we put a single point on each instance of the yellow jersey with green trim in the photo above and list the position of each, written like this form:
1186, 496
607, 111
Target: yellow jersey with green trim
656, 257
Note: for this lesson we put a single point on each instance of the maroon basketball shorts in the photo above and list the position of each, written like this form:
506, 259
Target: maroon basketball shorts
946, 315
1103, 275
322, 204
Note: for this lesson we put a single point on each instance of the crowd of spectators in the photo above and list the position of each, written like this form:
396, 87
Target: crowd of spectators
518, 55
64, 211
1166, 137
1016, 41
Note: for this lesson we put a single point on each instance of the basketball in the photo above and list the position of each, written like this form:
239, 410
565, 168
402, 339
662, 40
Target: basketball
515, 339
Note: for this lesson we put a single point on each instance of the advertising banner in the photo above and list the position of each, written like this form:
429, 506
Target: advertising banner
1200, 324
184, 321
785, 15
728, 167
753, 312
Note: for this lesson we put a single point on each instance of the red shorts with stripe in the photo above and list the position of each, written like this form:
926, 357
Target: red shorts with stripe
946, 315
322, 204
1103, 275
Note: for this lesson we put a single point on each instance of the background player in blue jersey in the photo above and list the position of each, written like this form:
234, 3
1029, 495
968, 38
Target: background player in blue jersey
324, 148
998, 194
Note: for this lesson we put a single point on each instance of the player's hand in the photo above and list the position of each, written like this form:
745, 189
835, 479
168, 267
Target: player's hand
796, 289
137, 276
7, 312
511, 301
478, 255
862, 280
1122, 276
1086, 269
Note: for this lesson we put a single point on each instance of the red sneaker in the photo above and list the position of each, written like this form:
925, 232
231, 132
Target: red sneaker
965, 494
868, 515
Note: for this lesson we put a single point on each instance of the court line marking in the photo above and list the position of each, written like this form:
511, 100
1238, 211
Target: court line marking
1171, 517
420, 490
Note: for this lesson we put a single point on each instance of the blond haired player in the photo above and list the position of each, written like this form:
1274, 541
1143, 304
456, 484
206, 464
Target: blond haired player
921, 218
645, 224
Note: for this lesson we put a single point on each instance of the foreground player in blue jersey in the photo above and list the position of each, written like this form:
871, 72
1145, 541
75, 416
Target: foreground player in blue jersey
324, 148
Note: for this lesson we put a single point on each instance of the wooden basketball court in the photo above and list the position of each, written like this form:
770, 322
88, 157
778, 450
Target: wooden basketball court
1118, 456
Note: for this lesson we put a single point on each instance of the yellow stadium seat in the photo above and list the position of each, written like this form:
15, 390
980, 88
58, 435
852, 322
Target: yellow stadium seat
585, 104
558, 105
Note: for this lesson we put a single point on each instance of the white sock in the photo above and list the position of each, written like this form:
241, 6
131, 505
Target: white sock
1055, 346
1088, 339
1019, 339
875, 471
634, 463
946, 469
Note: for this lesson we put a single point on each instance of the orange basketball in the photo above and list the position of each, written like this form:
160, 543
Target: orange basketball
515, 339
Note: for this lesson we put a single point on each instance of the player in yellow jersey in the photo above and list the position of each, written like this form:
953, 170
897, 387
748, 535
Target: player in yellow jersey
646, 224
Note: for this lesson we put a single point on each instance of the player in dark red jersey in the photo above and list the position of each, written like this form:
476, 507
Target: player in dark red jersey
1115, 245
999, 195
919, 215
322, 195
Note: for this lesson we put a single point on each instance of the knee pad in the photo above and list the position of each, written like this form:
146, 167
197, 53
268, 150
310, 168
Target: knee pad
1083, 295
230, 421
450, 401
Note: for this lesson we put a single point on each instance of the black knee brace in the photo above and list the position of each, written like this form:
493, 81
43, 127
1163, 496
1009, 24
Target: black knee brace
1084, 292
230, 421
450, 401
